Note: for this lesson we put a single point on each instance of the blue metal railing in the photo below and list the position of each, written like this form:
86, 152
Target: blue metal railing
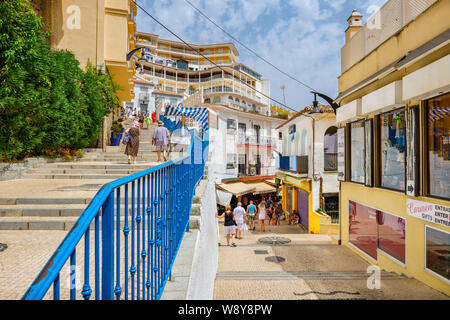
155, 215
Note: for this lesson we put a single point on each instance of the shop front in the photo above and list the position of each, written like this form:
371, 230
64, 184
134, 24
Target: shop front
303, 207
395, 195
231, 193
297, 197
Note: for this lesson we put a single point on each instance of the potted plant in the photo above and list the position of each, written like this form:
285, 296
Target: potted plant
116, 133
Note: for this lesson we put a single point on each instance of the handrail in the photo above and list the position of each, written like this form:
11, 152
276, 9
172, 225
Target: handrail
165, 197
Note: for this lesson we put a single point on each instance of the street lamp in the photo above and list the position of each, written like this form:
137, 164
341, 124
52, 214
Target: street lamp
316, 108
330, 101
132, 52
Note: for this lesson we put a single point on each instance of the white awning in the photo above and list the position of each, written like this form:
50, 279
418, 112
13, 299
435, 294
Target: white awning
263, 188
238, 188
223, 197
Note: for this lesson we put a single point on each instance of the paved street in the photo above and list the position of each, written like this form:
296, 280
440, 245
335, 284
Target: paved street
308, 267
27, 253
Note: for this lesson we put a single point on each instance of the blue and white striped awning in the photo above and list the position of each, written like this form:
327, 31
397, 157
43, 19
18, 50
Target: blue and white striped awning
199, 114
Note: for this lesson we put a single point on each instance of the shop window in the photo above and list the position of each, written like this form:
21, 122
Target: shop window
437, 251
439, 146
412, 152
393, 149
368, 133
391, 235
363, 228
371, 229
357, 152
330, 149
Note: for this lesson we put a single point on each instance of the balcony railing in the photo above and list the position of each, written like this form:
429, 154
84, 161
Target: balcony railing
294, 164
253, 140
142, 218
330, 162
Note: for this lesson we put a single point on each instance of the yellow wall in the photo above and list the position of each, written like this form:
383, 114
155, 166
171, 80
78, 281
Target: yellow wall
306, 186
104, 35
321, 224
395, 203
426, 27
314, 222
116, 27
83, 42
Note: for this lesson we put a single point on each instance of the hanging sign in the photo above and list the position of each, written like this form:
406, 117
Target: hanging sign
430, 212
341, 154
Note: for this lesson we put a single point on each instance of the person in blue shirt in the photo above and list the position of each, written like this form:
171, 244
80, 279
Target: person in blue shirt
251, 216
269, 202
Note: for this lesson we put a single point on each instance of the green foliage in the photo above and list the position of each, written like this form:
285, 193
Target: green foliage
47, 103
116, 127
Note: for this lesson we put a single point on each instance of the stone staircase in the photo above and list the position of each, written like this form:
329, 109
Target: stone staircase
53, 196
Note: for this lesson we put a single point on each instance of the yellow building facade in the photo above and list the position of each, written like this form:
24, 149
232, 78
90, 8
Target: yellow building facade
99, 31
394, 128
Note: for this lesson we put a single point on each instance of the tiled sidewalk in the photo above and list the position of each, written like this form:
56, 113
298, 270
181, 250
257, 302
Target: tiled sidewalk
309, 267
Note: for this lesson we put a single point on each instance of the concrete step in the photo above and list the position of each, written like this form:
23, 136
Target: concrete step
88, 166
74, 210
49, 210
119, 153
74, 176
48, 171
120, 160
44, 201
62, 223
123, 157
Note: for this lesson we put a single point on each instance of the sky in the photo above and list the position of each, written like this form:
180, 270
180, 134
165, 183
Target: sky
301, 37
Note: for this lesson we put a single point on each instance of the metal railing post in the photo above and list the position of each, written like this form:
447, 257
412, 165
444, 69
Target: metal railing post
108, 248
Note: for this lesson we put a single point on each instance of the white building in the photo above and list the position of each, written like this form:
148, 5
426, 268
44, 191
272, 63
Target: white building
146, 97
243, 143
308, 165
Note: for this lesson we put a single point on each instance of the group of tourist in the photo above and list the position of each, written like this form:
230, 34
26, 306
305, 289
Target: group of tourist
160, 138
141, 117
245, 214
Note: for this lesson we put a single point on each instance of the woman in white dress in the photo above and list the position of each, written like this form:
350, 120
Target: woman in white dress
262, 214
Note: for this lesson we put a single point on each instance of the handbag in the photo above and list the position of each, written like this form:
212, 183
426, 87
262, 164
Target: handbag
126, 139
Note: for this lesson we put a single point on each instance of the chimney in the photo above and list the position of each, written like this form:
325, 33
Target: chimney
354, 25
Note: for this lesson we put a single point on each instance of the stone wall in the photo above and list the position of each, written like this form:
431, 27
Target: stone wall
11, 171
106, 132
